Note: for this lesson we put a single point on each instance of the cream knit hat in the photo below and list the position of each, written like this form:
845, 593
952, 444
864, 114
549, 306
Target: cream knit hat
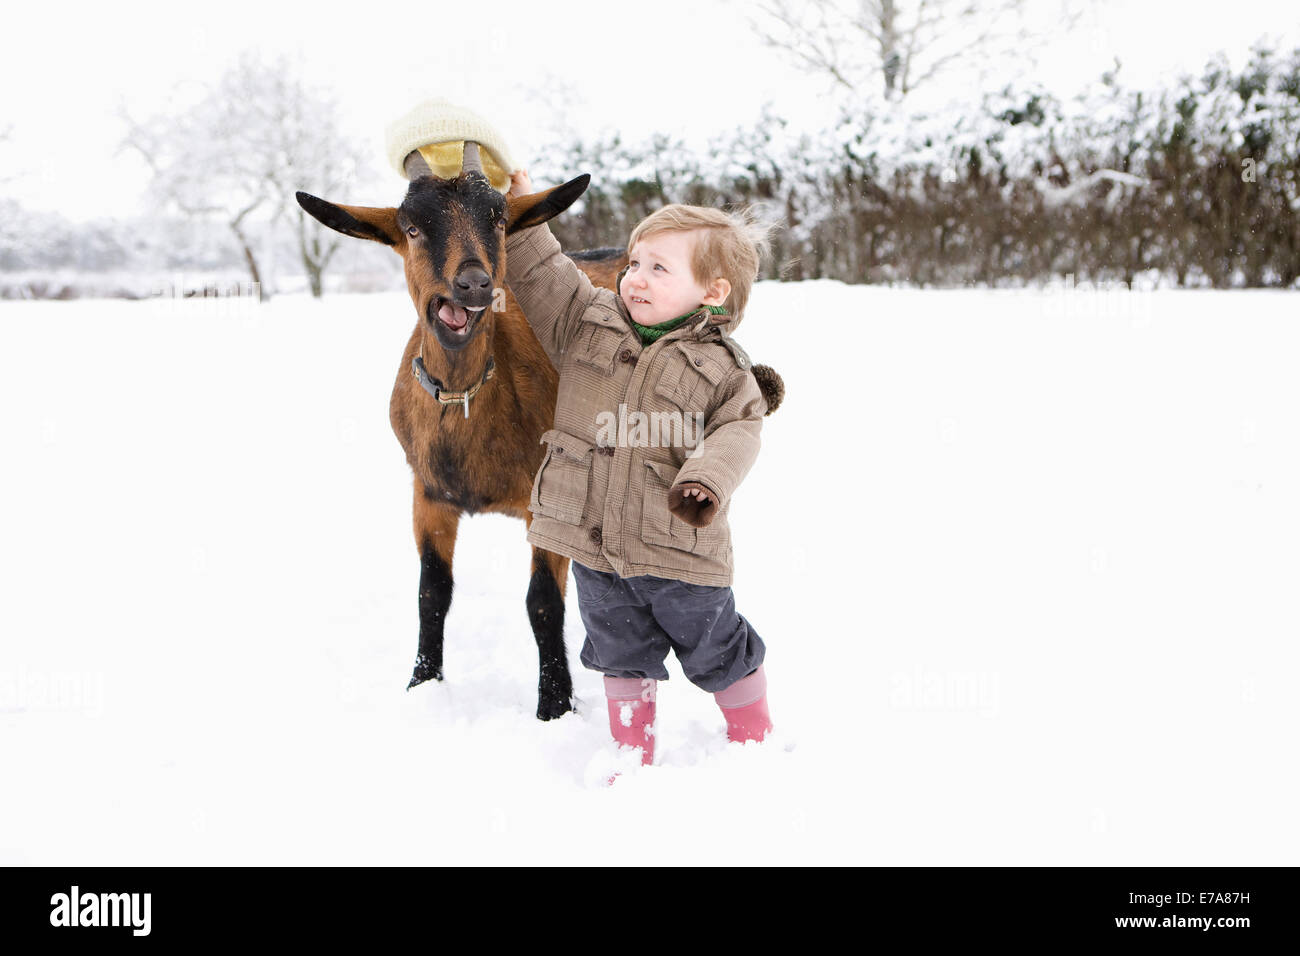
438, 131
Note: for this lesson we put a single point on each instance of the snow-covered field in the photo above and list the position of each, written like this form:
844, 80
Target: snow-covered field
1025, 563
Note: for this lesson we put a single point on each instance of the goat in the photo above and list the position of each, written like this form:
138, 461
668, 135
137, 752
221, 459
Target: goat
474, 390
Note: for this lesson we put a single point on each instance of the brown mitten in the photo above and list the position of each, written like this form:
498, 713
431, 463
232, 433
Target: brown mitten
695, 509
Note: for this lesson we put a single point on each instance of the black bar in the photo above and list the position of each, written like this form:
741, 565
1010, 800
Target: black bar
914, 906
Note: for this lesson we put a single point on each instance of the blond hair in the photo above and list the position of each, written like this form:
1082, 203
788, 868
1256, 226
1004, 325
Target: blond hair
731, 245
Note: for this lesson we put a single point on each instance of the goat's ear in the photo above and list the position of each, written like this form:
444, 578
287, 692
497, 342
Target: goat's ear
525, 211
362, 222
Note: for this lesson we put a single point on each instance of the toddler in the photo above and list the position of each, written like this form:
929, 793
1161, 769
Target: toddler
657, 420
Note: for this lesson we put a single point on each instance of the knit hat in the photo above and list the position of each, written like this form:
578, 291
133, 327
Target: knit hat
438, 131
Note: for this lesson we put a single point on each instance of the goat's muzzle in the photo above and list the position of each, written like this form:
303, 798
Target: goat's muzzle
455, 320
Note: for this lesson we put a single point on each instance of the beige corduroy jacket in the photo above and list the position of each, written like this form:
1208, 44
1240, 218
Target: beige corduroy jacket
601, 494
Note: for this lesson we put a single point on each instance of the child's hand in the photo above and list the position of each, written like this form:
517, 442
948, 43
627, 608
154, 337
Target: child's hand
520, 184
693, 503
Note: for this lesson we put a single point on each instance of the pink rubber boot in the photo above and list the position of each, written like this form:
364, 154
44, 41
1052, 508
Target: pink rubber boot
744, 704
632, 714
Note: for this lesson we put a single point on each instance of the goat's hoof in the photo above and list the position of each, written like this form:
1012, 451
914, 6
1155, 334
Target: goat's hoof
550, 709
425, 669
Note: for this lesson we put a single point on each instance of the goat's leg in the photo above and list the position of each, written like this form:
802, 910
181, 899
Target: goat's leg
546, 614
435, 536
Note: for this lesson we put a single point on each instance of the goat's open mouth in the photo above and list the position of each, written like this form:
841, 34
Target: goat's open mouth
455, 319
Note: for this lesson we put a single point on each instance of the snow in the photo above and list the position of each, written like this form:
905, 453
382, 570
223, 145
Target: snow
1024, 562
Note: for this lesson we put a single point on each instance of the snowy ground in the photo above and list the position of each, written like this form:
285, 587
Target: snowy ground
1026, 566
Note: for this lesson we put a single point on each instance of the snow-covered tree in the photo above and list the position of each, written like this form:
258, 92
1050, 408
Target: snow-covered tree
239, 153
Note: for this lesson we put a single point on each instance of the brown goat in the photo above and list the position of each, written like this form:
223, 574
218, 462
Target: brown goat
474, 391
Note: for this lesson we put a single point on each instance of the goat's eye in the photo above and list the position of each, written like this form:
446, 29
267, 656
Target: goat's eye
413, 232
501, 223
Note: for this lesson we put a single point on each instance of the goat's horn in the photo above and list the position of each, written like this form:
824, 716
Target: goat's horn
472, 162
416, 165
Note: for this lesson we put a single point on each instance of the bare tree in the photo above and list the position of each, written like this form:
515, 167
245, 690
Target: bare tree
201, 168
899, 44
241, 151
299, 133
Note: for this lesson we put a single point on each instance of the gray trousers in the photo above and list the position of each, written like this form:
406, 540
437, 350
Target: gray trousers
632, 623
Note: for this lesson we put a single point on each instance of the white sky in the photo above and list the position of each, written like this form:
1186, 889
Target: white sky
684, 66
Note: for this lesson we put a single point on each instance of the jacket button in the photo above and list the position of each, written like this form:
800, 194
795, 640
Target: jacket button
699, 361
625, 355
595, 535
559, 451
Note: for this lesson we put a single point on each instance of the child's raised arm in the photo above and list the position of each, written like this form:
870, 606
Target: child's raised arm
551, 290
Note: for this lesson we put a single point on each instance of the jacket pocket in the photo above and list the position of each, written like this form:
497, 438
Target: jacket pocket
659, 525
715, 540
560, 488
690, 378
597, 345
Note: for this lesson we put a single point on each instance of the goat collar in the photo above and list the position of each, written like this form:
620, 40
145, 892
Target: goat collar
440, 392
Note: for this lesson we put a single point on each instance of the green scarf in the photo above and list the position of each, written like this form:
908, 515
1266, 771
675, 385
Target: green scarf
652, 333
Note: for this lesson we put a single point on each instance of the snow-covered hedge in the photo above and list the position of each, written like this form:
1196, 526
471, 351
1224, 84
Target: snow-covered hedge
1198, 184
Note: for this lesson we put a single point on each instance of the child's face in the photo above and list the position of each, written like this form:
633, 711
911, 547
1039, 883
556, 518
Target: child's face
659, 285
